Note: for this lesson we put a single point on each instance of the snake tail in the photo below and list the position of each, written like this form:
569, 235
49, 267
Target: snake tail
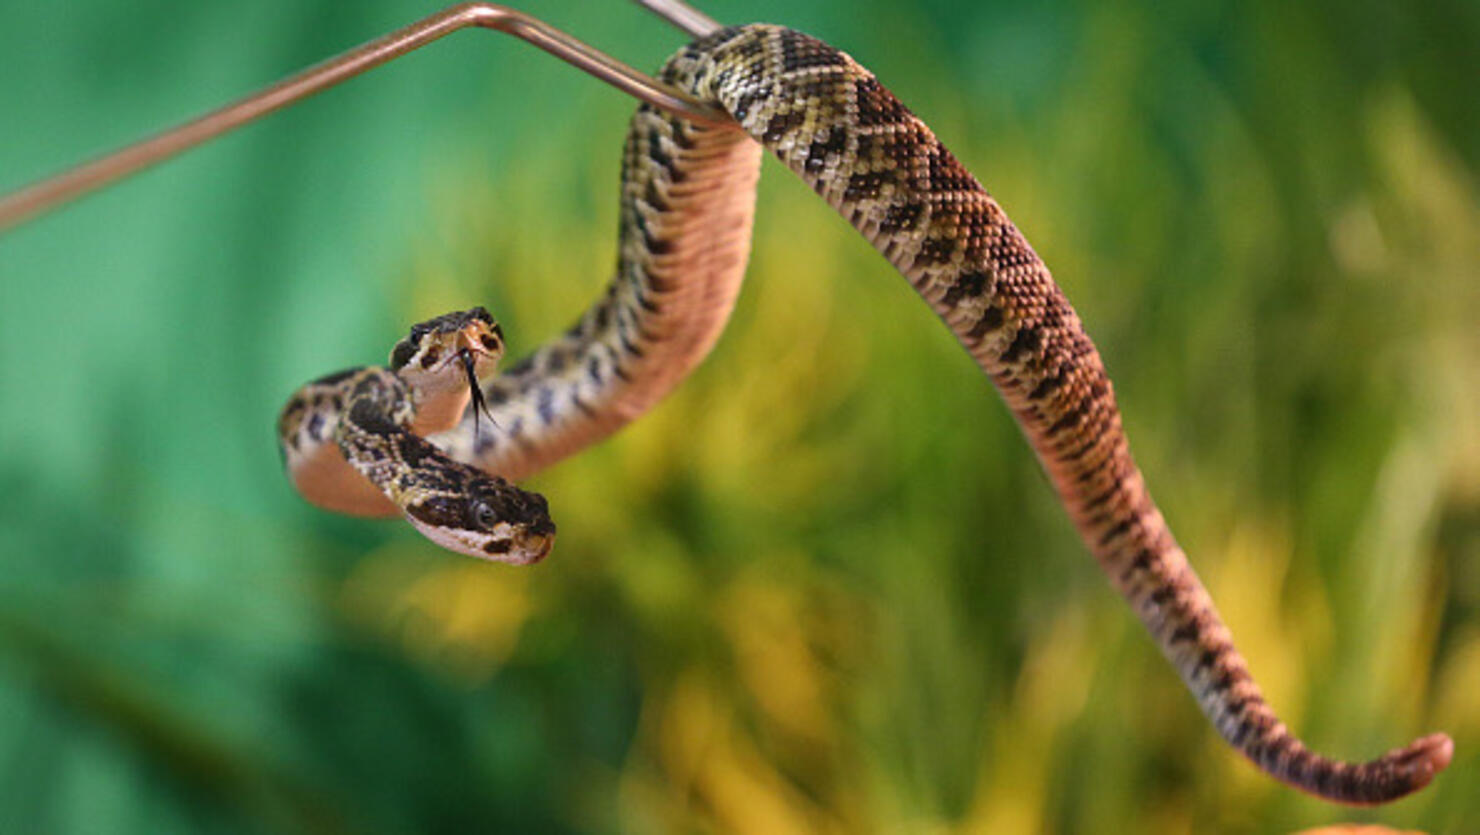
831, 122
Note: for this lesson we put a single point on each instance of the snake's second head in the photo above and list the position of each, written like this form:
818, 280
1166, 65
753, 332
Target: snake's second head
440, 353
485, 517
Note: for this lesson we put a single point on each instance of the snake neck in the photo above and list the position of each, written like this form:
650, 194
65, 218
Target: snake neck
687, 206
439, 408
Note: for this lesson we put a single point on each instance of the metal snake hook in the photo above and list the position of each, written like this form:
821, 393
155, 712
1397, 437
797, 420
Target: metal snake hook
682, 15
47, 194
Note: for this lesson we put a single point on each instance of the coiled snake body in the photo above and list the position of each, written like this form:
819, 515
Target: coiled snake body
687, 202
351, 443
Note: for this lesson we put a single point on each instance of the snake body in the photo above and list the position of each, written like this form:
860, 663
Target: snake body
687, 204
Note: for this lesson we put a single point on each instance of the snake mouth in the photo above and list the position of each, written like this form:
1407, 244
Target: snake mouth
436, 344
508, 544
525, 548
468, 348
531, 549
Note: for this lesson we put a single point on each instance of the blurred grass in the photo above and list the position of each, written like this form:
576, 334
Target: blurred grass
822, 588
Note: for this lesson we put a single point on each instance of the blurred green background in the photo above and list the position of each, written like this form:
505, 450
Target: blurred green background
822, 588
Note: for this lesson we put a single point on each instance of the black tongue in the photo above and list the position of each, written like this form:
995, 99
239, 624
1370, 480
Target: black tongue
476, 392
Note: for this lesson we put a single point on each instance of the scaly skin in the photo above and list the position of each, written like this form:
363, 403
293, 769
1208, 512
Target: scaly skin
351, 443
831, 122
687, 199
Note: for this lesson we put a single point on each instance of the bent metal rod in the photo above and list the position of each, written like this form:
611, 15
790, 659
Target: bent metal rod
48, 194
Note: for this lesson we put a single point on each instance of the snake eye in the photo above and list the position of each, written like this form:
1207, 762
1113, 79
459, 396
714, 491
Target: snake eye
402, 354
483, 514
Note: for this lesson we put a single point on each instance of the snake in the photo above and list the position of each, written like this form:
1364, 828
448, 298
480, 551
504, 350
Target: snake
687, 205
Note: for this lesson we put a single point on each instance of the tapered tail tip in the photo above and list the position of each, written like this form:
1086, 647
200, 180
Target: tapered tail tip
1396, 774
1427, 757
1409, 769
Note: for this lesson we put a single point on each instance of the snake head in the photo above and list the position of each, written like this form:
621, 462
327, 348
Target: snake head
439, 350
486, 517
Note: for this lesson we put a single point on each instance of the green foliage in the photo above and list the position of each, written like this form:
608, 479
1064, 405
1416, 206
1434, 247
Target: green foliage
824, 586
